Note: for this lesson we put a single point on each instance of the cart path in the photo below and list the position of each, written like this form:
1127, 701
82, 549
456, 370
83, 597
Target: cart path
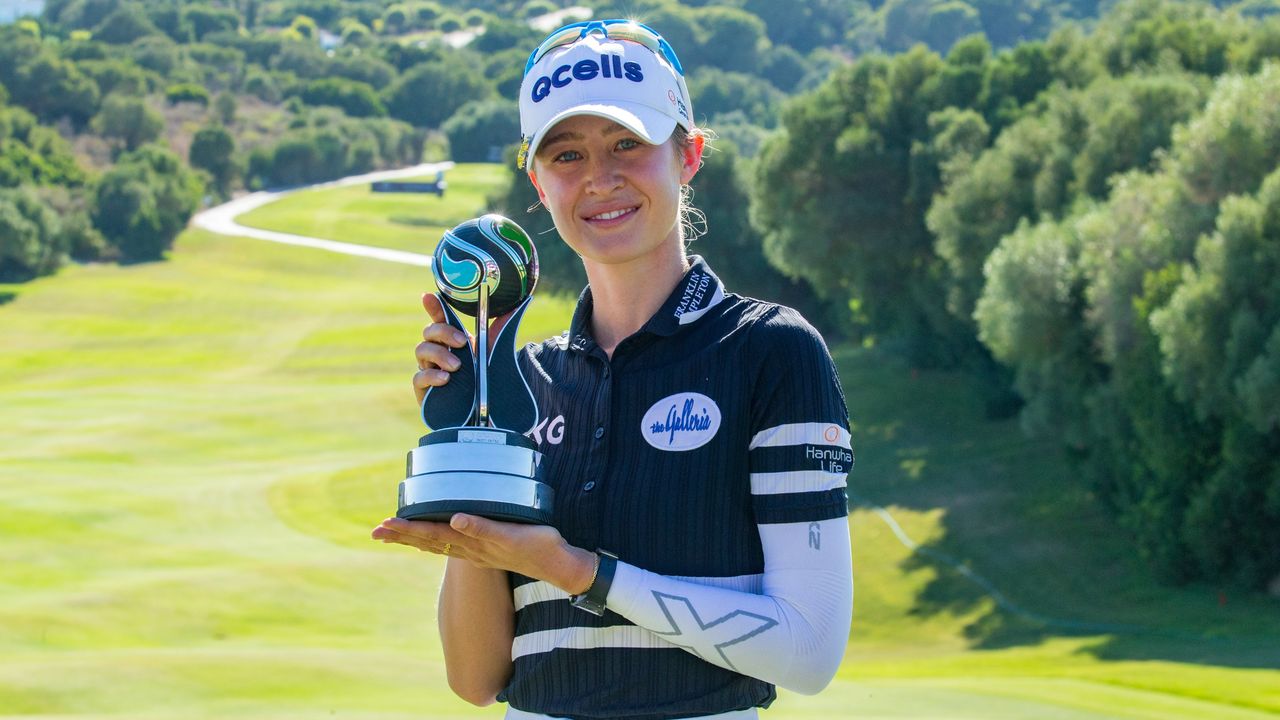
222, 218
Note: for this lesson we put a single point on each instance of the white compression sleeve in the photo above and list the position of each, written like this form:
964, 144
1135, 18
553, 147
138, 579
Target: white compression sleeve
793, 634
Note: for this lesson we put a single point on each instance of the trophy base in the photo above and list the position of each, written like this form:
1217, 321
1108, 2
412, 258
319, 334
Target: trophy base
478, 471
442, 510
438, 496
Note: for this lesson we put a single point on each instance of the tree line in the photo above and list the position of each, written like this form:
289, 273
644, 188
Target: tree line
1092, 220
251, 94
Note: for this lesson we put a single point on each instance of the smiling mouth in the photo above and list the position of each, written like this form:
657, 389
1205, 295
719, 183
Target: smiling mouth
613, 214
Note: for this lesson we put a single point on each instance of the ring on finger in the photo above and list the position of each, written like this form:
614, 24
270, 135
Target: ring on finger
447, 548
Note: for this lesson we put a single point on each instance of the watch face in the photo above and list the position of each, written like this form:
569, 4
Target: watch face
582, 602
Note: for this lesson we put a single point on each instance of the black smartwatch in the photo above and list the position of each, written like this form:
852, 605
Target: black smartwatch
593, 599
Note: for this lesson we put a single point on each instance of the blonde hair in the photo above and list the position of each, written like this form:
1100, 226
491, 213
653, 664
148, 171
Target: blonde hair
693, 222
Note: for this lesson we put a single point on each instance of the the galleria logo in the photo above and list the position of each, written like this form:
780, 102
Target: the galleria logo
681, 422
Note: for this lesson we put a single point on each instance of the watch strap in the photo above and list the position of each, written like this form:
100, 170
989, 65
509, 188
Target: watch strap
593, 600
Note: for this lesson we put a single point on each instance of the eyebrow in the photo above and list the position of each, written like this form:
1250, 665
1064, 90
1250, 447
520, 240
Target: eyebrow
568, 135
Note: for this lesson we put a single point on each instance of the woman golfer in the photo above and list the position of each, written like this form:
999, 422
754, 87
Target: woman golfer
697, 440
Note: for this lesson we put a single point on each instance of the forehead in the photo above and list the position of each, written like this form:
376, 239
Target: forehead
579, 126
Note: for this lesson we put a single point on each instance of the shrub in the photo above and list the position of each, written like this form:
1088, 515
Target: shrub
186, 92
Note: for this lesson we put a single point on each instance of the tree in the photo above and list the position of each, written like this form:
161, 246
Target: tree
364, 68
355, 98
80, 14
1144, 330
429, 94
947, 22
355, 34
784, 68
305, 59
225, 107
213, 150
187, 92
732, 39
735, 249
840, 202
129, 119
480, 130
29, 234
143, 202
205, 19
156, 53
126, 24
118, 76
53, 88
501, 34
1039, 165
720, 92
33, 154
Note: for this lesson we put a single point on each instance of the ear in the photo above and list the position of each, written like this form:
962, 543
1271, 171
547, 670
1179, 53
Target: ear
533, 178
691, 158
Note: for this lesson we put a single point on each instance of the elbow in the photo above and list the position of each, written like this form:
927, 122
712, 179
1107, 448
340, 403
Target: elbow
480, 697
474, 690
812, 679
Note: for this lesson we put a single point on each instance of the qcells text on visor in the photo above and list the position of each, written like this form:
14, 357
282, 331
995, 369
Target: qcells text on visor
610, 66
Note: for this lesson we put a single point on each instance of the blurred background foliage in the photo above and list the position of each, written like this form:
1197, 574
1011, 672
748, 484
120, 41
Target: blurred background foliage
1077, 202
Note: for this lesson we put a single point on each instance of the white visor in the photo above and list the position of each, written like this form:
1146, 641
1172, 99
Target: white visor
618, 80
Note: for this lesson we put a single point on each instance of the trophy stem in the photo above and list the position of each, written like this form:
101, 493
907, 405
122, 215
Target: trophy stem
482, 354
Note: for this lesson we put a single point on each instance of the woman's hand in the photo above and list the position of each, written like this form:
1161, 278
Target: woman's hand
435, 362
536, 551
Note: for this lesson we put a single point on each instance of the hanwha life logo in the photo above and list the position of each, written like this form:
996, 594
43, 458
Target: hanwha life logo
683, 421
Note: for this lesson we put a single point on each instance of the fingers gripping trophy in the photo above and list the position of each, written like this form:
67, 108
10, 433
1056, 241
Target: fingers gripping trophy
476, 458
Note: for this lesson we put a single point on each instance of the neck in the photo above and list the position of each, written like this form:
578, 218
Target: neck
626, 295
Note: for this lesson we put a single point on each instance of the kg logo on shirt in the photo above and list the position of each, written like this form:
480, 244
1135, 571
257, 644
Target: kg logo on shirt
683, 421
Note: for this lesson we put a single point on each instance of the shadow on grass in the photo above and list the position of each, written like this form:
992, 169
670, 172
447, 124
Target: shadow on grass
1024, 553
1005, 623
7, 297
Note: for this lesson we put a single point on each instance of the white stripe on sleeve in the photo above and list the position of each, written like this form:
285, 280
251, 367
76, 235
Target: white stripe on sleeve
801, 434
586, 638
796, 481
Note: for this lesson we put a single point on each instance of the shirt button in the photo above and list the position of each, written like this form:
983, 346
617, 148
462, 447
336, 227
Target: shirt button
599, 432
591, 485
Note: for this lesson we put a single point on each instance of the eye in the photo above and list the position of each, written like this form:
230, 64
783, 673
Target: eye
567, 156
628, 143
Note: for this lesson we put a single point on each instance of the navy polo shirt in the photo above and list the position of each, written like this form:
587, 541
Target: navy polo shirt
651, 456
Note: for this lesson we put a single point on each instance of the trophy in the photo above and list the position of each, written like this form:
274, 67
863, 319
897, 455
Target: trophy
476, 459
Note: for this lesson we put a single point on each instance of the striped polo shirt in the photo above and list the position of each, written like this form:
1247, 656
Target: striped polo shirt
707, 422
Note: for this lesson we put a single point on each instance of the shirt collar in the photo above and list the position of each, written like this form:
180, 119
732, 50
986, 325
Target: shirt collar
696, 293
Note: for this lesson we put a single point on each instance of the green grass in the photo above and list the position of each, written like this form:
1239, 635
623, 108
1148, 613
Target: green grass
195, 451
412, 222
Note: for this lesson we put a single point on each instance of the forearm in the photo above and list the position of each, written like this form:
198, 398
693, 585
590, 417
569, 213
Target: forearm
793, 634
477, 624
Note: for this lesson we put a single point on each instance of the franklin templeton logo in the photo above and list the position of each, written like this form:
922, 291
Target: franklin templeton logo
694, 295
683, 421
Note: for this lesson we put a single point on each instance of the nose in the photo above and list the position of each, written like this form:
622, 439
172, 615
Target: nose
602, 174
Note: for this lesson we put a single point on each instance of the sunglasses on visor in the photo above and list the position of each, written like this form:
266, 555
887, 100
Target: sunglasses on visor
612, 29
